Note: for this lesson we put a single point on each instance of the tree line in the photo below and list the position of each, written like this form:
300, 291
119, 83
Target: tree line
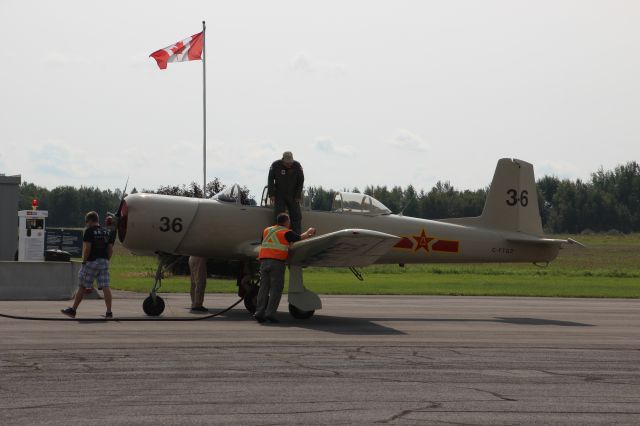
609, 200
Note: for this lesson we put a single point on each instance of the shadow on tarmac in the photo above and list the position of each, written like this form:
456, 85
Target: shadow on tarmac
540, 321
371, 326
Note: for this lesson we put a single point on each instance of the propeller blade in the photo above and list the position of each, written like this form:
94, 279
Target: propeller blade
113, 225
124, 193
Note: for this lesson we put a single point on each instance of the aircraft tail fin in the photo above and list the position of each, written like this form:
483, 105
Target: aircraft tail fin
512, 200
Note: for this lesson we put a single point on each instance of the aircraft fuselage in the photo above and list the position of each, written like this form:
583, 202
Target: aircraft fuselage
227, 230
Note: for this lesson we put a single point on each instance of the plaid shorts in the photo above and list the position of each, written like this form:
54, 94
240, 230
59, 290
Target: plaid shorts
96, 268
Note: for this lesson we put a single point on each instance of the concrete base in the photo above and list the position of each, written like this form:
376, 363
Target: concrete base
38, 280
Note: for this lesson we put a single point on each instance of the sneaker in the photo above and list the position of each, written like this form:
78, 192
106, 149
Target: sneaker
199, 309
272, 320
109, 314
258, 318
70, 312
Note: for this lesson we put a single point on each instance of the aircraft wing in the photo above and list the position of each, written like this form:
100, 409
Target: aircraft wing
345, 248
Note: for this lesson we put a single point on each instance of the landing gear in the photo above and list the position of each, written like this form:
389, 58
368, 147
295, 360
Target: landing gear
251, 298
154, 305
248, 287
299, 313
303, 303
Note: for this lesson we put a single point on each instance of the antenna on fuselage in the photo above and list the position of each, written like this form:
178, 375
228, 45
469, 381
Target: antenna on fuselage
404, 208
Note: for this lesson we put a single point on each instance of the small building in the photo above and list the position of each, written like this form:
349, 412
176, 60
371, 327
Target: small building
9, 197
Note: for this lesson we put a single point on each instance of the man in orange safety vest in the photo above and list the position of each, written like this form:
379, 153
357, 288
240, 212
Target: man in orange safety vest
274, 252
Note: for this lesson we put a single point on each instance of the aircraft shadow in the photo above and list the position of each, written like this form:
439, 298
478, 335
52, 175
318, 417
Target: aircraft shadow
541, 321
372, 326
329, 324
504, 320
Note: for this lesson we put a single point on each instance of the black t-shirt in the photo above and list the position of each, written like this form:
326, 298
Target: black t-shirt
100, 238
292, 237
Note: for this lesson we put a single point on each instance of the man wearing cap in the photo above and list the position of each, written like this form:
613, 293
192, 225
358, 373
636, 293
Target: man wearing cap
286, 180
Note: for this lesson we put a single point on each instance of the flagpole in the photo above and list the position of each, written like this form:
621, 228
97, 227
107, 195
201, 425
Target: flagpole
204, 111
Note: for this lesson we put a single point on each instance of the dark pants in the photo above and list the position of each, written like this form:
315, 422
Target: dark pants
287, 203
271, 286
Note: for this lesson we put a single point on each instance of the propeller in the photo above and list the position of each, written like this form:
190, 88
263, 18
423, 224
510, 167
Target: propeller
116, 218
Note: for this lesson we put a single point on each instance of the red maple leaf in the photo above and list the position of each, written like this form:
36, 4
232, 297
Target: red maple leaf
178, 48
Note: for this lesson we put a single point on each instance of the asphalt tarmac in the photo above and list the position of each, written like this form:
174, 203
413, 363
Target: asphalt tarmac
360, 360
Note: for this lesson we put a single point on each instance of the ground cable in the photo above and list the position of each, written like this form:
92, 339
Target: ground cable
116, 319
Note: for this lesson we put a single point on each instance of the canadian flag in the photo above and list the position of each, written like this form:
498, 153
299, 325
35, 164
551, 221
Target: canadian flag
189, 49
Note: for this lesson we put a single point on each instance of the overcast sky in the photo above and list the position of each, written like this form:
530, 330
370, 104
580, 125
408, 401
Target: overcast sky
363, 92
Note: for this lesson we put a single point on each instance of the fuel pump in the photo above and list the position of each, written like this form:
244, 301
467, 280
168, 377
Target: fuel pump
31, 233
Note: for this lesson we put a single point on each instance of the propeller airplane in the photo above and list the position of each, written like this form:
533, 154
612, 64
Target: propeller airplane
358, 231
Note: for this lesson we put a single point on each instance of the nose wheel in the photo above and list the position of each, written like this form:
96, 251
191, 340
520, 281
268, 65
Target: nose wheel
153, 305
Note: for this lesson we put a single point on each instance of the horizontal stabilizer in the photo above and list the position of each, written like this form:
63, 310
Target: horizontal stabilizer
528, 239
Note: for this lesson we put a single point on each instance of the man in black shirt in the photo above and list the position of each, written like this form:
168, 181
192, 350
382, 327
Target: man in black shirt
285, 183
97, 249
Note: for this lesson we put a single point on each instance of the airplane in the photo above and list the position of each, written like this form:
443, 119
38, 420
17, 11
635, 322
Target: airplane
358, 231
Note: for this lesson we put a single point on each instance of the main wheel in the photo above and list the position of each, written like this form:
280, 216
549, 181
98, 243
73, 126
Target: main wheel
251, 299
299, 313
250, 286
153, 306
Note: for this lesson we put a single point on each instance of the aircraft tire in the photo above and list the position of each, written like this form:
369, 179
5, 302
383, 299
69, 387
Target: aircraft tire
251, 299
298, 313
153, 309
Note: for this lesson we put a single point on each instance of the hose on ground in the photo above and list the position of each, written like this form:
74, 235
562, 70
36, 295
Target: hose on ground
116, 319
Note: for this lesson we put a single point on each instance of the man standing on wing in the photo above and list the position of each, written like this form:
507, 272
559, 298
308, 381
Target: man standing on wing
97, 249
274, 252
286, 180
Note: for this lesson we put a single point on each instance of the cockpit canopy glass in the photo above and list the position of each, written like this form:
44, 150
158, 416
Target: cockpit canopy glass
353, 202
233, 194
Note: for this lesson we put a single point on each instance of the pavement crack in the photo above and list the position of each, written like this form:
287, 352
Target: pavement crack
404, 413
353, 354
585, 377
308, 367
299, 364
428, 358
396, 357
496, 394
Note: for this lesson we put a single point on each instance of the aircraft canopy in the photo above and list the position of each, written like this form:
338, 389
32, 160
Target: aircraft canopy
234, 194
354, 202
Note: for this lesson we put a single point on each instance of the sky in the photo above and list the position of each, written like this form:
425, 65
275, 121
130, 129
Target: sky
362, 92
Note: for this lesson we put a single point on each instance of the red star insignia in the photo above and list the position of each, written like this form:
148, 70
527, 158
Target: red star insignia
422, 240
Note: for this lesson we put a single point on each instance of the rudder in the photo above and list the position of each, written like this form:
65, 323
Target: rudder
512, 201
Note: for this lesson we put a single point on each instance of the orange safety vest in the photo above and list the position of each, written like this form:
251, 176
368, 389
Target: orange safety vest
274, 244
